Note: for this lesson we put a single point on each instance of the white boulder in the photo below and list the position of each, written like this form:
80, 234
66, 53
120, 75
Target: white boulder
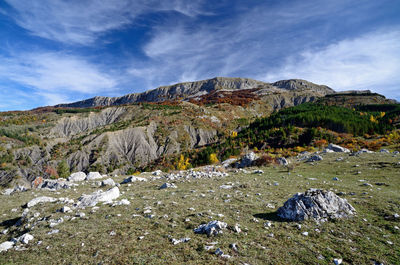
108, 182
98, 196
6, 246
77, 176
25, 238
337, 148
94, 175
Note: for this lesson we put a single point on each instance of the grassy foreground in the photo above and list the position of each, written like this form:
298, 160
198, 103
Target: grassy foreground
369, 237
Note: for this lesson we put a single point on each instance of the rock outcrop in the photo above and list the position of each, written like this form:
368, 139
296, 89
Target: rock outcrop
315, 204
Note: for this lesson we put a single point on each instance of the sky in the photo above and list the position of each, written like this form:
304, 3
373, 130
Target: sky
60, 51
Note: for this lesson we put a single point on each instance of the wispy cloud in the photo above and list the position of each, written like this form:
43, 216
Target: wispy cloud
370, 61
82, 22
56, 76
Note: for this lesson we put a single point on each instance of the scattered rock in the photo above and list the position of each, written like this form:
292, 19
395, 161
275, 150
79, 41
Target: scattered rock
98, 196
363, 151
314, 158
234, 247
258, 171
133, 179
25, 238
282, 161
226, 187
54, 184
94, 175
37, 200
315, 204
211, 229
335, 178
17, 188
220, 253
337, 261
54, 231
227, 163
157, 173
385, 151
78, 176
6, 246
122, 202
108, 182
167, 186
305, 233
178, 241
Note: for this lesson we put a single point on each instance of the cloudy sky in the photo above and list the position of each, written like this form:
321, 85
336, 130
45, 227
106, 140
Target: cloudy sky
54, 51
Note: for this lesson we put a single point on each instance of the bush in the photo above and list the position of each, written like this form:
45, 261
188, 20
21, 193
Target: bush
265, 160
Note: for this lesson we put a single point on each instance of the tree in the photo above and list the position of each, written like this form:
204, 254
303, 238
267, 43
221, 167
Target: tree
63, 169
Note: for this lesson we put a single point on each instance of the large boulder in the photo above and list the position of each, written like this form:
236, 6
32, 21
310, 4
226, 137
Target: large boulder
247, 160
315, 204
6, 246
55, 184
78, 176
38, 200
337, 148
98, 196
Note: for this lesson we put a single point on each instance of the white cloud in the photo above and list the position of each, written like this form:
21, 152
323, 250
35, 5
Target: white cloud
82, 22
56, 76
370, 61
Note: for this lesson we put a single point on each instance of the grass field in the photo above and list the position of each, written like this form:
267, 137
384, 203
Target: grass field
369, 237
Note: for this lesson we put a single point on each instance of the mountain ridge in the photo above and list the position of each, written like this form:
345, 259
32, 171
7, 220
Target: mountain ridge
187, 90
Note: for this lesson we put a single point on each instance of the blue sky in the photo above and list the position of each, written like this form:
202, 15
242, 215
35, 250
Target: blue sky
55, 51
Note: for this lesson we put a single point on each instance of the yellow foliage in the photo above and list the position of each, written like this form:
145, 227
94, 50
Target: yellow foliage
234, 134
183, 163
372, 119
382, 114
213, 159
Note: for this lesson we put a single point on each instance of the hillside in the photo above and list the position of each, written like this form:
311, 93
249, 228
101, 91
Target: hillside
123, 139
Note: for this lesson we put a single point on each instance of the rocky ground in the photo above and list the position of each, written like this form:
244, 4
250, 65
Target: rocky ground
213, 215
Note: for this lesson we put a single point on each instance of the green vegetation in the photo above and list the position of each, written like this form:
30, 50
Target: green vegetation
63, 169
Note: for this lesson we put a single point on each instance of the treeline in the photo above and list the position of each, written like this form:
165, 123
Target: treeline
302, 125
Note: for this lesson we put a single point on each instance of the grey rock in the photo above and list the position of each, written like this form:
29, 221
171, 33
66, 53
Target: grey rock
385, 151
43, 199
55, 184
108, 182
133, 179
337, 148
314, 158
98, 196
25, 238
282, 161
248, 160
211, 229
167, 186
315, 204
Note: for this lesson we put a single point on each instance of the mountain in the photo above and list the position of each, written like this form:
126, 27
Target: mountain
185, 91
123, 134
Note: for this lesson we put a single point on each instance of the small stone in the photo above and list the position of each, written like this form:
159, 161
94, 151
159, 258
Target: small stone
267, 224
337, 261
167, 186
25, 238
54, 231
234, 247
112, 233
305, 233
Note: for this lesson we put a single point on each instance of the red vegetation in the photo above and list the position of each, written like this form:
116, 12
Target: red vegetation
240, 97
